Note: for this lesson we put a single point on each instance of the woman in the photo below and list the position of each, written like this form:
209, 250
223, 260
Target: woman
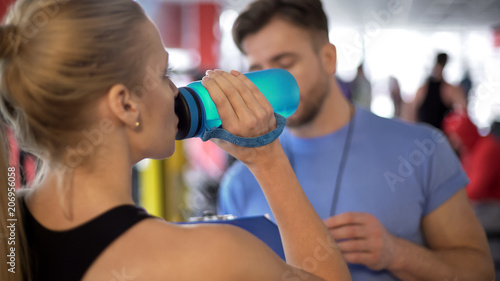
84, 85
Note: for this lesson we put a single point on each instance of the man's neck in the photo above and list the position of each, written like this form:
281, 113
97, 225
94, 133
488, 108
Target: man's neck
334, 114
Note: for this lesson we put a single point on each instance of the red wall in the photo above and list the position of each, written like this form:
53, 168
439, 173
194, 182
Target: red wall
209, 35
3, 6
191, 26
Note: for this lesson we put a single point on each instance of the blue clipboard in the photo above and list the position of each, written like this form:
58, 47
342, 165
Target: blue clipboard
260, 226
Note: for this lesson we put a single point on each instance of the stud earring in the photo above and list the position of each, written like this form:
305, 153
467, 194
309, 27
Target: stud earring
137, 124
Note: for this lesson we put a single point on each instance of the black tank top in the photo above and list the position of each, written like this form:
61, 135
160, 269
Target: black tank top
66, 255
433, 110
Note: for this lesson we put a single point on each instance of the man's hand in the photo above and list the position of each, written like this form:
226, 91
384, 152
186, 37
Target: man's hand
363, 239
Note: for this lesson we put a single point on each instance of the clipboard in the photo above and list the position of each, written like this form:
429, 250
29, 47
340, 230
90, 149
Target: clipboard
260, 226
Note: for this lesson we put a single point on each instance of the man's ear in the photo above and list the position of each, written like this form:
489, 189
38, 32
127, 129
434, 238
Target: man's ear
123, 105
329, 58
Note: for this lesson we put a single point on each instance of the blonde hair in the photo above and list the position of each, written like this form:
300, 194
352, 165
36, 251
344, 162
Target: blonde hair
57, 58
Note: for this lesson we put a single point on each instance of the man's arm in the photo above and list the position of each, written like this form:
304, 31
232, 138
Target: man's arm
458, 249
411, 112
453, 96
457, 244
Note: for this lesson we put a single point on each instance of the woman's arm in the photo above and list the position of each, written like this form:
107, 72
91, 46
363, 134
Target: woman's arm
245, 112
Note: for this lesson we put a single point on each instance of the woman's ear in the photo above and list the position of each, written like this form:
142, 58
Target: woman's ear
123, 106
329, 58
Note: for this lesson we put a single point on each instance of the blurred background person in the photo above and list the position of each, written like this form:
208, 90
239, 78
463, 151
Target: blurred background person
361, 89
466, 84
436, 97
495, 129
396, 98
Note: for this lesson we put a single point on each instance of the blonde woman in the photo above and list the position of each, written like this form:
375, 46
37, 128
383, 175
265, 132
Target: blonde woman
83, 84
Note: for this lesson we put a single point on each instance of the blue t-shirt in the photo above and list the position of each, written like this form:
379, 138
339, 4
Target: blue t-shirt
396, 171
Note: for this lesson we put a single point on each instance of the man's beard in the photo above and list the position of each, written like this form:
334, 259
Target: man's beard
309, 109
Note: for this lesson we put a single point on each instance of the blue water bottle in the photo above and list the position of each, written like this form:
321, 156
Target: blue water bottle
197, 112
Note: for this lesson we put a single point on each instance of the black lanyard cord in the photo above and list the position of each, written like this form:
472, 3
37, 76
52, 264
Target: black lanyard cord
343, 160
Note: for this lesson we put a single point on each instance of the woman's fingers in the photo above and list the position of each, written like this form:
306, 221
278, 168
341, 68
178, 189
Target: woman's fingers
246, 116
227, 97
224, 107
261, 99
265, 110
230, 91
245, 93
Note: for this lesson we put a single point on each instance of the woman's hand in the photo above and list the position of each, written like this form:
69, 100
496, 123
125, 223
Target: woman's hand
244, 112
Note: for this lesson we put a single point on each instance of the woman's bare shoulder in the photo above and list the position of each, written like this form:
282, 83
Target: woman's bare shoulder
155, 249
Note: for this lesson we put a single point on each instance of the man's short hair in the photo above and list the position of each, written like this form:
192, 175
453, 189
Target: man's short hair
307, 14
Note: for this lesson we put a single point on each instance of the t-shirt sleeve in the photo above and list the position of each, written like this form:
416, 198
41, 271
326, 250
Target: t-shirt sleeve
229, 196
444, 175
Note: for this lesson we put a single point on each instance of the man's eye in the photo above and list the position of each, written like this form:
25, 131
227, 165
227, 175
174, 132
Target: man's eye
286, 64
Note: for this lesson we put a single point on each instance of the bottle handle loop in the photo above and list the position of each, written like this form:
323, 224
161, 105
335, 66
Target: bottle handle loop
222, 134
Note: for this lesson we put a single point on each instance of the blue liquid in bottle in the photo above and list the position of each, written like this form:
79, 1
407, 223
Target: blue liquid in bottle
197, 112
